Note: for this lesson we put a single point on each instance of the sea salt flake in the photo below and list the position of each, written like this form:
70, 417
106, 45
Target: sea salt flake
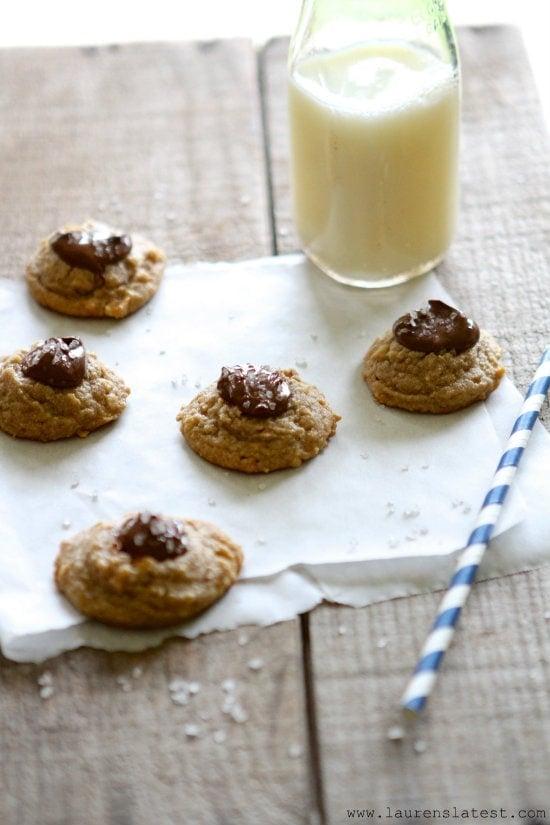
178, 684
242, 639
46, 692
124, 683
238, 714
180, 697
191, 730
295, 750
228, 685
420, 746
194, 687
395, 733
219, 737
45, 678
255, 664
342, 630
245, 200
66, 524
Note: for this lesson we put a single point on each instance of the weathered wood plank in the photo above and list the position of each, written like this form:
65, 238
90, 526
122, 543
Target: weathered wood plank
488, 728
165, 140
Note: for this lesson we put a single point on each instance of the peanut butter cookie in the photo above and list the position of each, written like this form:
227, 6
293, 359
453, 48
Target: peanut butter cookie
256, 420
150, 571
434, 360
93, 271
57, 390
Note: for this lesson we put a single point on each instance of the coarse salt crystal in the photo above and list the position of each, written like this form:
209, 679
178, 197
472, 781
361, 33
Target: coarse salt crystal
238, 714
219, 737
194, 687
255, 664
342, 630
178, 684
46, 691
395, 733
420, 746
381, 644
191, 730
228, 685
45, 678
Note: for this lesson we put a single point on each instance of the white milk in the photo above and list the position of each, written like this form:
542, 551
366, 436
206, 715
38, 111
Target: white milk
374, 135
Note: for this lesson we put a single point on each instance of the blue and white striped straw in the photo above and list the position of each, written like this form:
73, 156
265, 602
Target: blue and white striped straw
443, 628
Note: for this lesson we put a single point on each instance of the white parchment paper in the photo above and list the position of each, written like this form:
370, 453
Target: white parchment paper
326, 530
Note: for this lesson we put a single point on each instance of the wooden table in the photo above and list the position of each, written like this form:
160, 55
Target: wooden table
188, 143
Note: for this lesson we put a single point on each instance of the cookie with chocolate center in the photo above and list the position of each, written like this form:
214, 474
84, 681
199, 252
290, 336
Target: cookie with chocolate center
94, 271
256, 420
147, 570
57, 389
434, 360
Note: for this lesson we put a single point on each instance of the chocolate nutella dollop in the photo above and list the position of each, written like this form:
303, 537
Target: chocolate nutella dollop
258, 392
56, 362
92, 250
435, 328
148, 535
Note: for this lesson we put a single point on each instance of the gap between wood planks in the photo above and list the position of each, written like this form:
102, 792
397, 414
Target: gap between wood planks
318, 815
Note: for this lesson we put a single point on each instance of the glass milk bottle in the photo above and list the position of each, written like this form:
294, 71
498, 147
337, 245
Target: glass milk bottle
374, 104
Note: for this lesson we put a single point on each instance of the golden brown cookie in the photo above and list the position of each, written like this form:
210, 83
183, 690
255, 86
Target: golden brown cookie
434, 360
93, 271
57, 390
150, 571
237, 424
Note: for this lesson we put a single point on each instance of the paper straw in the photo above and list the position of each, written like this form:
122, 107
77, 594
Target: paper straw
443, 628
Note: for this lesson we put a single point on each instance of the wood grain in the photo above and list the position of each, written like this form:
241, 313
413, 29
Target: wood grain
488, 727
165, 140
